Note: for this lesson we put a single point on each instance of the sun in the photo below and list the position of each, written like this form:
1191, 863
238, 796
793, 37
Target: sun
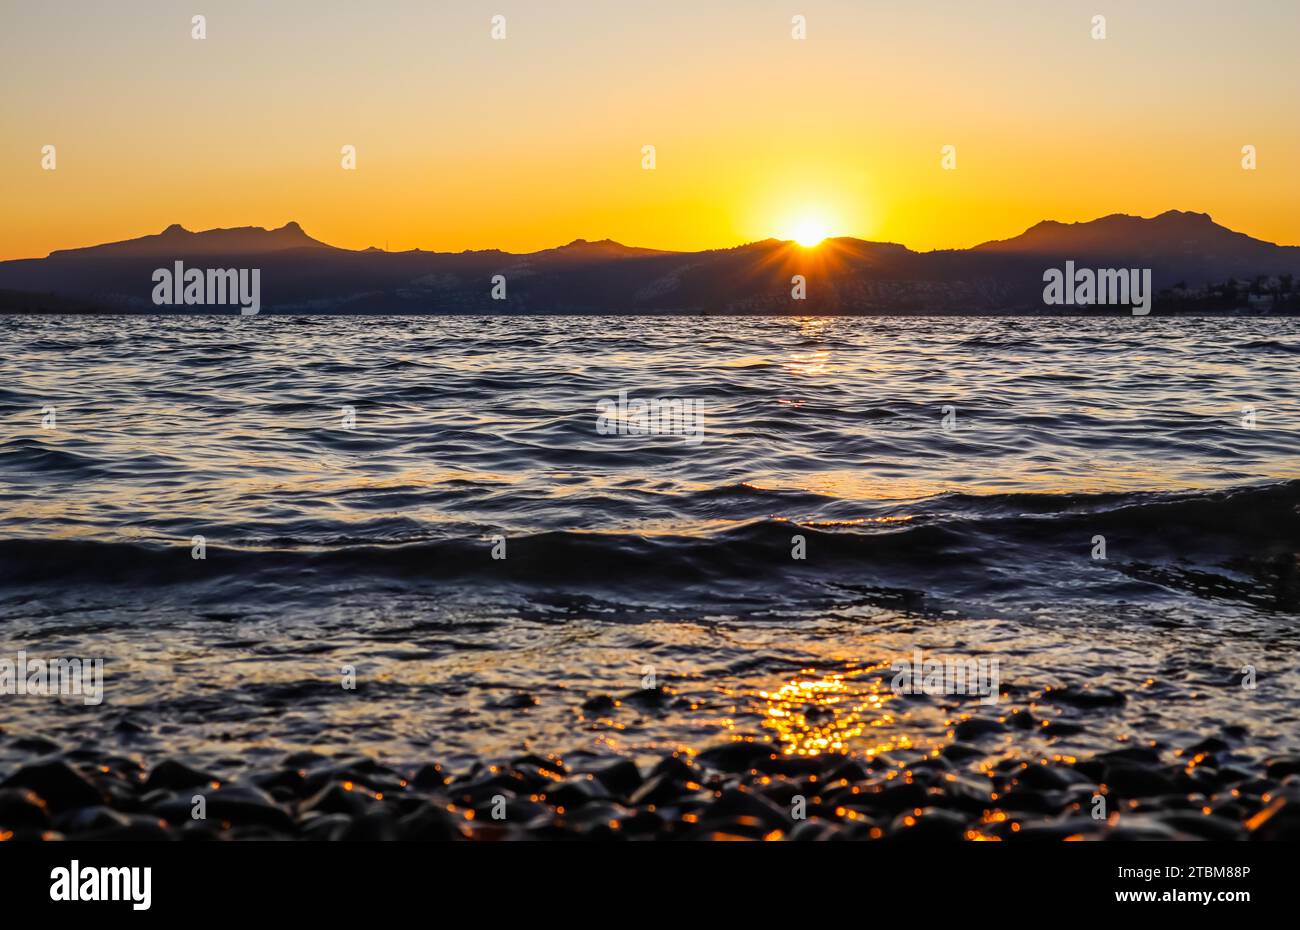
808, 231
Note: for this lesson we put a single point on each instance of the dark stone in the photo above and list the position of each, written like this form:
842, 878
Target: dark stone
1046, 777
533, 779
658, 790
975, 727
88, 819
967, 794
897, 797
1279, 820
647, 698
176, 776
335, 799
303, 760
38, 745
198, 831
851, 771
372, 827
1282, 766
138, 829
750, 828
621, 777
1022, 720
1140, 755
1138, 781
324, 827
797, 766
1058, 830
738, 802
241, 806
1027, 800
22, 807
429, 777
959, 752
533, 815
1142, 828
810, 831
782, 791
432, 823
22, 835
1204, 826
932, 767
576, 792
675, 766
932, 825
1257, 787
60, 785
547, 764
643, 823
1231, 809
257, 833
374, 777
1092, 769
702, 834
289, 780
738, 756
601, 832
858, 831
474, 795
600, 704
1198, 781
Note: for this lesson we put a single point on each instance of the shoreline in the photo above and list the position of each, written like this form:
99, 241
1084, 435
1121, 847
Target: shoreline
741, 790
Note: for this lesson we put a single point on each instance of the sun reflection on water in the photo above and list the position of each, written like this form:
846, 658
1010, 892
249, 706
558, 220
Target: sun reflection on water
838, 712
810, 364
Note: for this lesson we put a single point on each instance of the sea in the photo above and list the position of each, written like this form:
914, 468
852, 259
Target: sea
466, 538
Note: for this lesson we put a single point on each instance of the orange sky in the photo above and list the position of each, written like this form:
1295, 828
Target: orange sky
526, 143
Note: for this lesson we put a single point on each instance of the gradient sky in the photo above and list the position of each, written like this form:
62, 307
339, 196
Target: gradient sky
465, 142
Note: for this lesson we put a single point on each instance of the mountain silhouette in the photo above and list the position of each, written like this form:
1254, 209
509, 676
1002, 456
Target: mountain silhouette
300, 274
177, 240
1171, 236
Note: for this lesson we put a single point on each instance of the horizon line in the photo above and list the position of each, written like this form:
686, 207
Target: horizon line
295, 225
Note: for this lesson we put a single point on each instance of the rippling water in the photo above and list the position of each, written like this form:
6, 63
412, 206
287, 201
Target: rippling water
948, 477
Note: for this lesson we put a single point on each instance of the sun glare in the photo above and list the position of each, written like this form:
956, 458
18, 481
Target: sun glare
808, 231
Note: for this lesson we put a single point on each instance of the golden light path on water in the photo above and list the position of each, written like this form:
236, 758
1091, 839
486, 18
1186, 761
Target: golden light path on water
836, 712
833, 712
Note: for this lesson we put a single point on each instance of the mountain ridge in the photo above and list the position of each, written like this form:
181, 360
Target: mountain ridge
844, 274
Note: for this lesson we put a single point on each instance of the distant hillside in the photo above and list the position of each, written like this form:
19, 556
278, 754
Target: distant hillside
177, 240
300, 274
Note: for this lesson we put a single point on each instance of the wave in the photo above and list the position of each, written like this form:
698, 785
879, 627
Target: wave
1270, 345
952, 548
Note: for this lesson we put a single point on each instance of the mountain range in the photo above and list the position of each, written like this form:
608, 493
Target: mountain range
300, 274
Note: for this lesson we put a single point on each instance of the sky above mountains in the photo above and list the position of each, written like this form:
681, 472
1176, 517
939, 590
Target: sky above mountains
466, 142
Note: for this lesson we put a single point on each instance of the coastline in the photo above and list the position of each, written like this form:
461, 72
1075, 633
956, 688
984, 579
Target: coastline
1225, 786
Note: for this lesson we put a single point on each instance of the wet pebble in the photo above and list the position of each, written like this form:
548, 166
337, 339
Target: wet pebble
975, 727
745, 789
176, 776
22, 808
58, 784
